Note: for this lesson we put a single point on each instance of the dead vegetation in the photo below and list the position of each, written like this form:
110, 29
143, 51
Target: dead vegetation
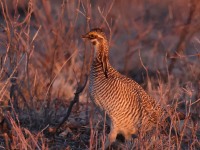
43, 62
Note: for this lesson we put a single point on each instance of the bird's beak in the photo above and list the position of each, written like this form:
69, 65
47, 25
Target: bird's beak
85, 36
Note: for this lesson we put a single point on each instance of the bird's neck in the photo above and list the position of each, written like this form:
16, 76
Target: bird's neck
101, 52
101, 57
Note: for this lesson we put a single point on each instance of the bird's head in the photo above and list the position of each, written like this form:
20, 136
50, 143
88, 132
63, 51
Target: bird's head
96, 36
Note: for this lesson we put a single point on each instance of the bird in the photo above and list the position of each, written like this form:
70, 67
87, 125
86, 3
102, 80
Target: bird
127, 105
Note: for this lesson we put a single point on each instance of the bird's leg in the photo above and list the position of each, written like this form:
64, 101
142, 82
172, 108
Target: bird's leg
127, 136
111, 138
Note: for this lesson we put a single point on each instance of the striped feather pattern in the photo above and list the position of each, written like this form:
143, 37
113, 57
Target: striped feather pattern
128, 106
123, 100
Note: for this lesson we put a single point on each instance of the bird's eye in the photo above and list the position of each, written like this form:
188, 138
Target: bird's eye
92, 36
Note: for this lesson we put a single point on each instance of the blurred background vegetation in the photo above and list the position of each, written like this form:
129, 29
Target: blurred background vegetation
43, 60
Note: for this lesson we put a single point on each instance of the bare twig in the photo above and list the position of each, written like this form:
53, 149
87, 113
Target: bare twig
79, 90
104, 18
144, 66
58, 74
187, 26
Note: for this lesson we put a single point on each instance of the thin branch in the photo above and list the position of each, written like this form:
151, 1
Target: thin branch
104, 18
58, 74
79, 90
185, 32
144, 65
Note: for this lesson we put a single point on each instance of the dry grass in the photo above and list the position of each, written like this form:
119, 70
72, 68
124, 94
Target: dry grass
43, 59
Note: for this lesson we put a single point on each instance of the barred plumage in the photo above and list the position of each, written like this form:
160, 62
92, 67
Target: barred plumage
128, 106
